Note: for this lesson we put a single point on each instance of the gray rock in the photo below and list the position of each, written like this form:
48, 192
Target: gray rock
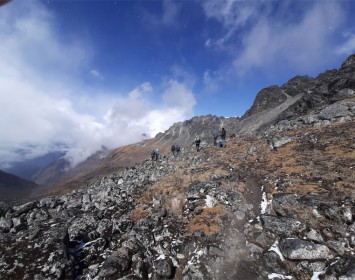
272, 262
263, 240
105, 228
335, 110
278, 142
349, 275
215, 251
197, 190
283, 203
296, 249
80, 228
338, 246
5, 224
282, 225
192, 272
116, 264
307, 269
164, 267
4, 208
24, 208
314, 235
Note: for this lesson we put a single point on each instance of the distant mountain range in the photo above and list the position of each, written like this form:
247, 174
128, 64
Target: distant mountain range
15, 188
28, 168
301, 101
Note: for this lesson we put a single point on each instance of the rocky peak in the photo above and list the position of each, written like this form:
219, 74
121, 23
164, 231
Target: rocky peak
298, 102
349, 62
266, 99
183, 133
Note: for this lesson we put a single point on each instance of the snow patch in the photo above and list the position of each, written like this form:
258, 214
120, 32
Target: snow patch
275, 247
161, 257
264, 202
316, 274
278, 276
210, 201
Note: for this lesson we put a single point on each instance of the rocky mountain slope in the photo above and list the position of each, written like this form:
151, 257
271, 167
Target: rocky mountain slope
302, 101
272, 206
276, 203
13, 187
105, 162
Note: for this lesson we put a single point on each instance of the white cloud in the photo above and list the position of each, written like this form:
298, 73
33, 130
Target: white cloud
95, 73
210, 82
44, 108
168, 16
233, 14
349, 46
258, 36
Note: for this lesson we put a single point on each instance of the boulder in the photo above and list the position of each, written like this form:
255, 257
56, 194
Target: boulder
282, 225
297, 249
335, 110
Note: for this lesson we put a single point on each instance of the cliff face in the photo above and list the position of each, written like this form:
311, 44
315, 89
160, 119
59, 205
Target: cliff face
302, 98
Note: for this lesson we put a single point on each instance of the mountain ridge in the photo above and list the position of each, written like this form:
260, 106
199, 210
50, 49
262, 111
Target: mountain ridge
13, 187
291, 104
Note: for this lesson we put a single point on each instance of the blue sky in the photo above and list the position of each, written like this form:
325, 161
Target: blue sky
75, 75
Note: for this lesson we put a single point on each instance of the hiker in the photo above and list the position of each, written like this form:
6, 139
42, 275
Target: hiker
215, 136
177, 149
152, 154
197, 142
156, 153
173, 149
223, 134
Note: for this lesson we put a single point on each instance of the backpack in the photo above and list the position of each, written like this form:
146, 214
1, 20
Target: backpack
156, 152
177, 148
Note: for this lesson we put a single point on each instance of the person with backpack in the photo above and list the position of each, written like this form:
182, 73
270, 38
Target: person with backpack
173, 149
156, 153
177, 149
197, 142
223, 134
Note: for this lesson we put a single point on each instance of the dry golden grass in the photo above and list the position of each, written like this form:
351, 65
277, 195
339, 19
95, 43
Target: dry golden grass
305, 213
139, 213
306, 188
209, 221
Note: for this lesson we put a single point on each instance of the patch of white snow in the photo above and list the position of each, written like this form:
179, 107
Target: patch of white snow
316, 274
276, 249
278, 276
210, 201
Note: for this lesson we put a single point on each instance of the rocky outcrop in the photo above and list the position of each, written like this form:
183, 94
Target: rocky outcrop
298, 103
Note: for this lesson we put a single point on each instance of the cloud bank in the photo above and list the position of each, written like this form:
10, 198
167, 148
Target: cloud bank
302, 36
45, 107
